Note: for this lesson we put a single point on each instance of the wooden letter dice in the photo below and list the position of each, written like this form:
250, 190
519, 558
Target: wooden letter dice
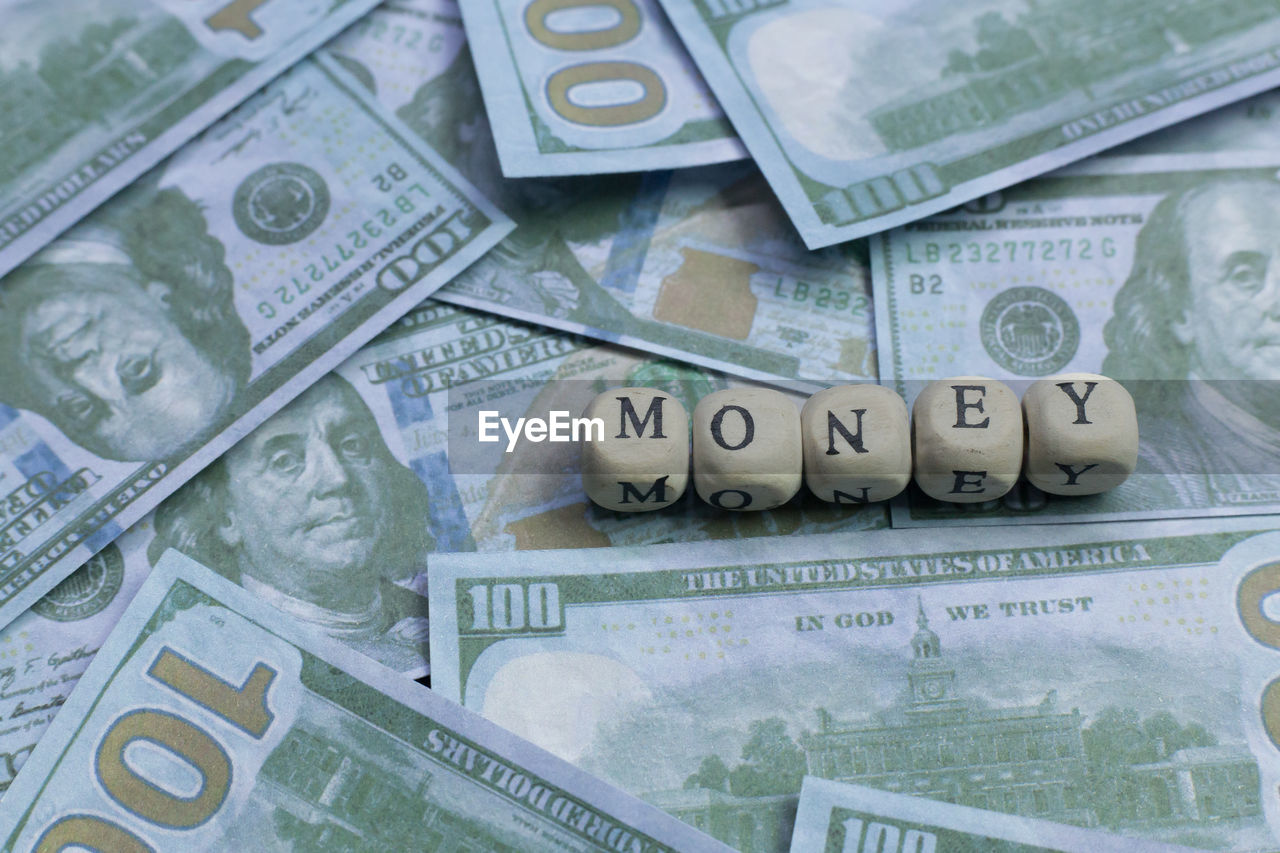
967, 436
857, 445
1082, 434
746, 449
643, 462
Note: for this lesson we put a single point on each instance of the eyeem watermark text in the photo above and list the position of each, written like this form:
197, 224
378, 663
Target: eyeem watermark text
560, 426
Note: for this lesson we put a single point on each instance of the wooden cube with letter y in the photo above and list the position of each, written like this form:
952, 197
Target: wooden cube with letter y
966, 435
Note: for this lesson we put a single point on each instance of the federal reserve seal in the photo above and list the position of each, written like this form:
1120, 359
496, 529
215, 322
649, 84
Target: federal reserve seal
281, 203
87, 591
1030, 331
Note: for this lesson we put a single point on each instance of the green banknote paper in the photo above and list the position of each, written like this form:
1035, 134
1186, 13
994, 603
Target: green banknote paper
208, 722
865, 115
1157, 271
143, 343
1123, 678
383, 474
699, 265
95, 92
577, 90
836, 817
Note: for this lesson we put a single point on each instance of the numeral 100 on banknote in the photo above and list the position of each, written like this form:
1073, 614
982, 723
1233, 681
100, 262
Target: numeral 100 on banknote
245, 707
514, 607
623, 30
874, 835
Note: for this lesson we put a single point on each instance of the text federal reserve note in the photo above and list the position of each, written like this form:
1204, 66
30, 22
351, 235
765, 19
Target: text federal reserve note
865, 115
140, 345
95, 92
699, 265
1123, 678
208, 722
577, 90
837, 817
1159, 272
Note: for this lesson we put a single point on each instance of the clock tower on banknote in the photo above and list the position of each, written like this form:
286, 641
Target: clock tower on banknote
933, 679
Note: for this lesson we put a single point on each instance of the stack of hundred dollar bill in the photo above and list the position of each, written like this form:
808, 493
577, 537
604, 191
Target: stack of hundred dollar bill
264, 262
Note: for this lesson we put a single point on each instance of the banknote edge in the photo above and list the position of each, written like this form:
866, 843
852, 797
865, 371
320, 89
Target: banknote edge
637, 345
192, 125
175, 567
818, 796
518, 153
737, 103
500, 226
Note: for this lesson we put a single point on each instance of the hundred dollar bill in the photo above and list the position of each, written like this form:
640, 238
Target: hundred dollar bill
868, 115
1159, 272
143, 343
1155, 271
1125, 678
386, 475
836, 817
95, 92
208, 722
572, 90
699, 265
334, 509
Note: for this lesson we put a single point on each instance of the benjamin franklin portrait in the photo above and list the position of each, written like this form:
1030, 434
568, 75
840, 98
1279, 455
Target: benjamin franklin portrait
1199, 316
311, 513
123, 333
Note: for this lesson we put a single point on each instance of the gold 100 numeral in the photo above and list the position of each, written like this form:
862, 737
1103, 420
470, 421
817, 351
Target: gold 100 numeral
1254, 590
245, 707
562, 82
237, 17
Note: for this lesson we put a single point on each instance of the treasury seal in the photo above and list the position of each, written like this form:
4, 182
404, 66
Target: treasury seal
280, 203
1030, 331
86, 591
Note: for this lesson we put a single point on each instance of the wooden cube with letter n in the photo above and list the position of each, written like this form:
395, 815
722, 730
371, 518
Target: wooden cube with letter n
857, 445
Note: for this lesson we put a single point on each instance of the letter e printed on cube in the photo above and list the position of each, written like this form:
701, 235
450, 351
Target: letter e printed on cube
746, 449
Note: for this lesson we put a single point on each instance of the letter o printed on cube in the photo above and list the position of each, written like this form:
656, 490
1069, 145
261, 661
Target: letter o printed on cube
746, 449
966, 437
643, 462
1082, 434
857, 444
